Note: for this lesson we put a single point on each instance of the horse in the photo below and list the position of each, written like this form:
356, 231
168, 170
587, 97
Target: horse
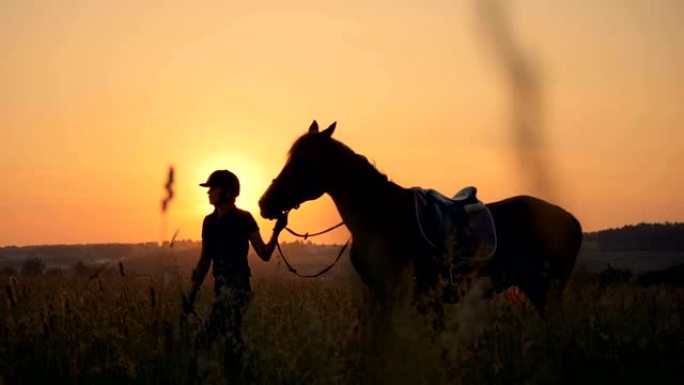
537, 242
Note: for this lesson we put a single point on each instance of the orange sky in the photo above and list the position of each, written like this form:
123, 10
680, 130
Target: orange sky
97, 100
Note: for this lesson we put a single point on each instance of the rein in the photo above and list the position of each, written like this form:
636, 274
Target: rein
306, 236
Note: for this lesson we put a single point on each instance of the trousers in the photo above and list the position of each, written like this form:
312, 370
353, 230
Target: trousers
231, 299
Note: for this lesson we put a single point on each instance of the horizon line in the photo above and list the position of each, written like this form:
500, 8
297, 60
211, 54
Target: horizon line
166, 243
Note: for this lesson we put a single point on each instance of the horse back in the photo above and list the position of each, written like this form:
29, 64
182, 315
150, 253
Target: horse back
527, 223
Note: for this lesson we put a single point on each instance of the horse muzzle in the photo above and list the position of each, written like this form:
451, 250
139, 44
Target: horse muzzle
274, 211
275, 202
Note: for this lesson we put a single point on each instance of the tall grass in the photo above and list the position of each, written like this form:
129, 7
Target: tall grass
127, 330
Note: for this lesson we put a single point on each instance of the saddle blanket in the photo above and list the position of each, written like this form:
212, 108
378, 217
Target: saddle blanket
459, 229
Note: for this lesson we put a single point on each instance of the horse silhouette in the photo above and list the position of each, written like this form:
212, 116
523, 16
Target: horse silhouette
537, 242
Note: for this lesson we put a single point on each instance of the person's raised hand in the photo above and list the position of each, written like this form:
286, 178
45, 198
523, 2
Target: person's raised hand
281, 223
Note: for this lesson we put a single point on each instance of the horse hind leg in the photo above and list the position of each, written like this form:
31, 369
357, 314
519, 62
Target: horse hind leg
528, 275
560, 261
545, 285
537, 291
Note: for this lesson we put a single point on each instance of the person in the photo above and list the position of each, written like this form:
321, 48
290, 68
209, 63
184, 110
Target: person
226, 234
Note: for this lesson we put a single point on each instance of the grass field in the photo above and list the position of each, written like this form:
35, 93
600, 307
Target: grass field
127, 330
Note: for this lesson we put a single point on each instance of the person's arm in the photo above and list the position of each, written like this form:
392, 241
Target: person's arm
198, 275
200, 272
264, 251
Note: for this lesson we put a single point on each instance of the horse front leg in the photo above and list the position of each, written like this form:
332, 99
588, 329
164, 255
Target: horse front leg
428, 301
429, 305
377, 336
428, 295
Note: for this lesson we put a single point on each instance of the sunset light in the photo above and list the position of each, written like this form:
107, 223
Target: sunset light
431, 192
99, 100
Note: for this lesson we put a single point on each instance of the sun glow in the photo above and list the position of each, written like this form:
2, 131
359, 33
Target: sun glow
98, 101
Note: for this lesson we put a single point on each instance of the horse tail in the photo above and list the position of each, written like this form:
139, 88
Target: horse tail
574, 236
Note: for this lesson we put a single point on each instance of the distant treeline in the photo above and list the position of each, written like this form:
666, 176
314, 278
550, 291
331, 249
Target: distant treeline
644, 236
136, 259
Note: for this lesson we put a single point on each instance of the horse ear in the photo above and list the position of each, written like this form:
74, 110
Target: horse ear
313, 127
329, 131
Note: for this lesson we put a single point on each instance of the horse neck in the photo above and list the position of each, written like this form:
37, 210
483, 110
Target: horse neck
362, 195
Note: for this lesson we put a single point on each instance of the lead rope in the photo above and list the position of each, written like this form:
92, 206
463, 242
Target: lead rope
294, 271
306, 236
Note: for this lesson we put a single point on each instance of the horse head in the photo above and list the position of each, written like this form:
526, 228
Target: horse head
305, 174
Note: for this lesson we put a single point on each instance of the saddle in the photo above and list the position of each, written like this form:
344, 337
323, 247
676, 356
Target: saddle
460, 229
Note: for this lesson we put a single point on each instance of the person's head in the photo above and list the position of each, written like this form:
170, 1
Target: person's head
223, 185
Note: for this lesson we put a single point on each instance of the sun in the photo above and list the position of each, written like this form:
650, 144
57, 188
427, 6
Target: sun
253, 181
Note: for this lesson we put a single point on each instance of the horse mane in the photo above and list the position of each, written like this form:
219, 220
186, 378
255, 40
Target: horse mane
356, 162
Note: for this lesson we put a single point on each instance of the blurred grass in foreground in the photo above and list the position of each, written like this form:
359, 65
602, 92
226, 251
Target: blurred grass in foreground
127, 330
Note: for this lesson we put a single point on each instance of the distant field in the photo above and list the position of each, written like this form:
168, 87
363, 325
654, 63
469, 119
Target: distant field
126, 330
146, 259
636, 261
